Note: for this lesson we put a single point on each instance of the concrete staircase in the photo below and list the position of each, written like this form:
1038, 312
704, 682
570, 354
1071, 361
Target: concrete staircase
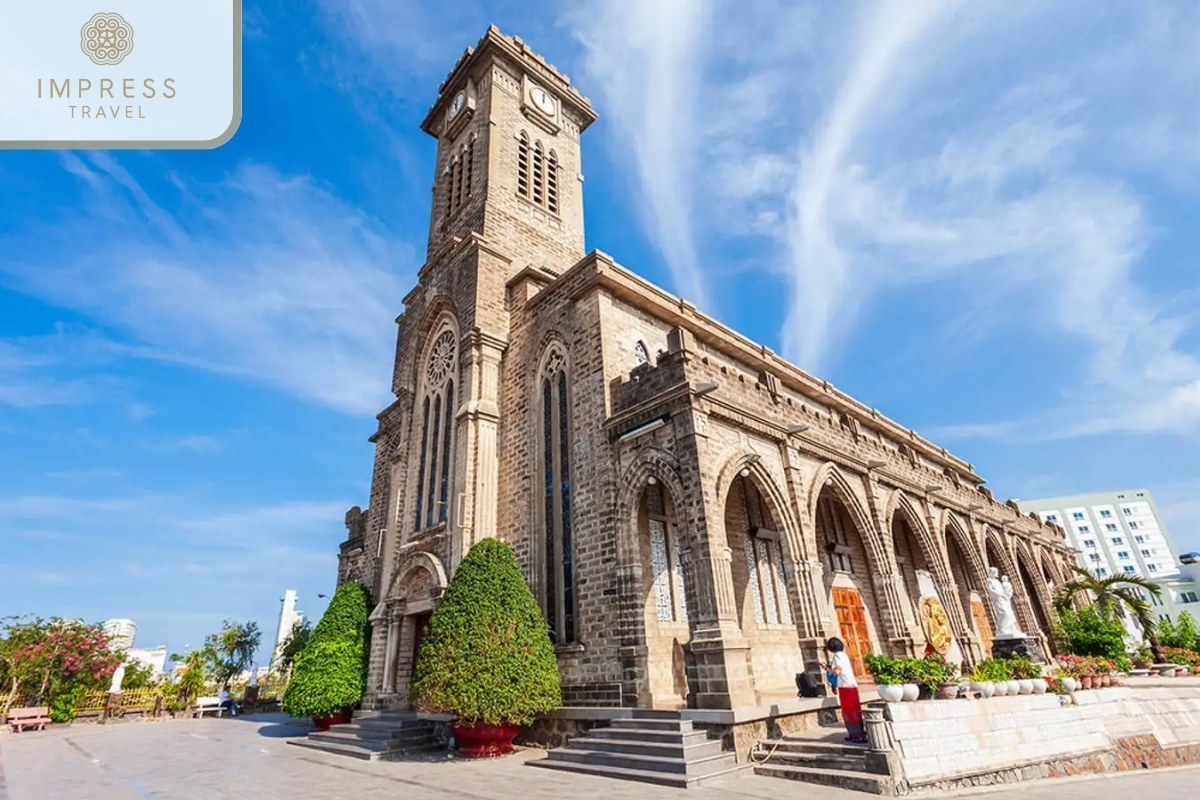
650, 746
822, 756
375, 736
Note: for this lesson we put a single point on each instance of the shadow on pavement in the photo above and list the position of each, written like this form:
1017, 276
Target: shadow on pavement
275, 726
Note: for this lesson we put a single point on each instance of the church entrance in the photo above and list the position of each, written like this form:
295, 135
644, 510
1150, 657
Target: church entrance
420, 626
666, 606
982, 626
852, 622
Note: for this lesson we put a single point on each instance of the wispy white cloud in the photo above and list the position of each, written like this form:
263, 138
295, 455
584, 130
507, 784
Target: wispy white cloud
264, 276
997, 152
645, 59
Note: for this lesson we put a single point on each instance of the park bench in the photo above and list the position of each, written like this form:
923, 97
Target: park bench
208, 705
22, 718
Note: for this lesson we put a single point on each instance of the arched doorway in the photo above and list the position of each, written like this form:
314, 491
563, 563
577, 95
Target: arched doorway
971, 592
998, 558
910, 559
755, 537
1041, 614
848, 580
666, 604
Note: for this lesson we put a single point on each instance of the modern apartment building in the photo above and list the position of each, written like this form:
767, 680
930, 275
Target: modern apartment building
1113, 532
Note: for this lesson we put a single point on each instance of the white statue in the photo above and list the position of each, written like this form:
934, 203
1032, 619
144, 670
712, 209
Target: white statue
1000, 592
117, 679
254, 678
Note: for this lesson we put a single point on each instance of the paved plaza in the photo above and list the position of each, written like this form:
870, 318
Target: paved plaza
250, 758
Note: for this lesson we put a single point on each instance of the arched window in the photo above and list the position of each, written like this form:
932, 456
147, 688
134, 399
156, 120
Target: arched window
669, 598
448, 174
437, 430
764, 561
556, 506
470, 164
640, 355
523, 182
459, 174
552, 182
539, 174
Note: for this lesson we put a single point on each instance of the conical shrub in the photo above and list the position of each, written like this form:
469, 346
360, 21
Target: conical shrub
330, 672
487, 655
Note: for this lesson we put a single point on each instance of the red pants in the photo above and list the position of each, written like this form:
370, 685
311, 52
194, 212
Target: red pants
852, 713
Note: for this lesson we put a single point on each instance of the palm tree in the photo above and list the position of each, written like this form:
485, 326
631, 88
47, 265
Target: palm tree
1113, 596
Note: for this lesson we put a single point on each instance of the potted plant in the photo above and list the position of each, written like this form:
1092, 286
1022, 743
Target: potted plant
1069, 672
939, 677
329, 674
981, 681
1027, 675
908, 672
886, 674
487, 657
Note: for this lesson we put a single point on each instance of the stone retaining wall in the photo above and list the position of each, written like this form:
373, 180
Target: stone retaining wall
953, 744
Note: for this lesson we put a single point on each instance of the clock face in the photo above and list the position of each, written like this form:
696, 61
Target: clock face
457, 105
542, 99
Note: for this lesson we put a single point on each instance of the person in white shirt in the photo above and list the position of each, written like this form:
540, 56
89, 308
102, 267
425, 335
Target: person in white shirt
225, 701
842, 670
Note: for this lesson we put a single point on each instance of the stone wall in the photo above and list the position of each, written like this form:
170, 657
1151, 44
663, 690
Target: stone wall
951, 744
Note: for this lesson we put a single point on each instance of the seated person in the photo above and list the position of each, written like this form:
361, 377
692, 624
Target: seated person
226, 701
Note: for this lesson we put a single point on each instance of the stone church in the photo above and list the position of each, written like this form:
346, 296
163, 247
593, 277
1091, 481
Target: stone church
695, 514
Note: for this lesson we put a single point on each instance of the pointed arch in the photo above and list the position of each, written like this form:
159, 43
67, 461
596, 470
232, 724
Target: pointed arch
555, 449
434, 429
1002, 559
524, 173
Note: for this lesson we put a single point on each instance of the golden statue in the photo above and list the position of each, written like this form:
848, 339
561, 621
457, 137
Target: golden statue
936, 625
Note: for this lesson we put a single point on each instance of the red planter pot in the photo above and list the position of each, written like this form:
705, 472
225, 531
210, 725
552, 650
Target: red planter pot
338, 718
479, 741
1086, 681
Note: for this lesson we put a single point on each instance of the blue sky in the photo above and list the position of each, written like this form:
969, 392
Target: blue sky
980, 218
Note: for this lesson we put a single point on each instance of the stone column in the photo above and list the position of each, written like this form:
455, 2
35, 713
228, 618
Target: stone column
885, 580
806, 576
389, 657
478, 424
721, 654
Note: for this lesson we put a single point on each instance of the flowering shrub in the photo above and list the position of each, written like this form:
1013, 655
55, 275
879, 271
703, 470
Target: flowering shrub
1181, 655
43, 661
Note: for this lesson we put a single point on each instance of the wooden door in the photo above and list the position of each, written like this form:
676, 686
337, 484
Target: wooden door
982, 626
421, 621
852, 622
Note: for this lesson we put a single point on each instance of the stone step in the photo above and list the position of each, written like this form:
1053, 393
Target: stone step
362, 750
690, 752
813, 746
332, 737
381, 733
337, 748
682, 738
648, 724
391, 724
641, 775
854, 781
651, 713
844, 763
700, 767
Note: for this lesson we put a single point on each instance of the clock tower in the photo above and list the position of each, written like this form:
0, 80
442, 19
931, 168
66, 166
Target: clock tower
507, 195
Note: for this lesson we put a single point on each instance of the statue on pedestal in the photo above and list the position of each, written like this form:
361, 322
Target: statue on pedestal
1000, 592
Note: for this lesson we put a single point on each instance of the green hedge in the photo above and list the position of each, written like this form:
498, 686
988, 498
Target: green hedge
487, 656
330, 672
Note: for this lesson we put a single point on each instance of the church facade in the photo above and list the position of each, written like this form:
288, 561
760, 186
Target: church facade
695, 514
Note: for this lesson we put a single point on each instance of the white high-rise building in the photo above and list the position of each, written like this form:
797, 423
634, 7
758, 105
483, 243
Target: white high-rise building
121, 633
1113, 533
288, 617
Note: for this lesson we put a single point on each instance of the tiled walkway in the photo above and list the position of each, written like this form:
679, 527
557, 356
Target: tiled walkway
249, 758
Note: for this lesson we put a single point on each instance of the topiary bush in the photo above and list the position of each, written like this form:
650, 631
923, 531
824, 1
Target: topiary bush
487, 655
330, 672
